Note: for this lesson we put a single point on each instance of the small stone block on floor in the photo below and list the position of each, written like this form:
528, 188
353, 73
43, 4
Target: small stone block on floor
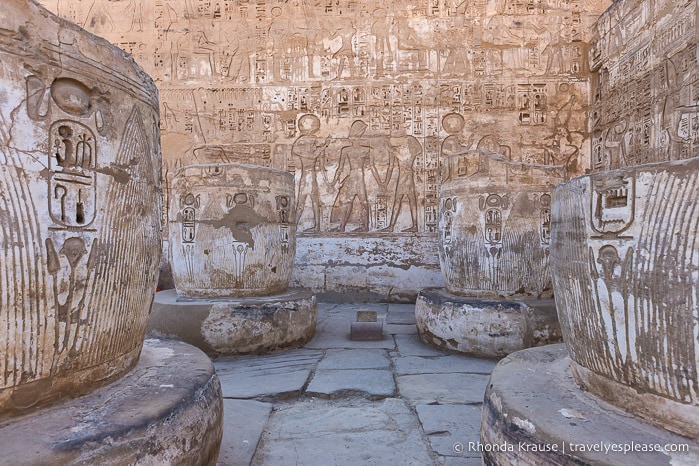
366, 331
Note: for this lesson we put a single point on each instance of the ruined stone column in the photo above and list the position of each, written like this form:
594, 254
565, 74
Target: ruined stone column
80, 243
626, 272
625, 266
494, 234
624, 258
232, 231
232, 238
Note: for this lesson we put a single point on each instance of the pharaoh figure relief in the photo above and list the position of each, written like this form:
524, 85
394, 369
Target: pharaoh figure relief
284, 85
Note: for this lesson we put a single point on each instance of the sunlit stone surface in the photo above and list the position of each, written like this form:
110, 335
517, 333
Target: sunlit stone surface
80, 212
80, 245
495, 226
232, 243
624, 257
362, 101
232, 232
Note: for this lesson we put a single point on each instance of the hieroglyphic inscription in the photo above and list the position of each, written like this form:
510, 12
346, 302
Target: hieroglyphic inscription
248, 77
72, 181
79, 208
232, 231
621, 241
645, 105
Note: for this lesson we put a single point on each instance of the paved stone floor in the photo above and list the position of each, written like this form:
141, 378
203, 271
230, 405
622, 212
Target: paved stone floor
342, 402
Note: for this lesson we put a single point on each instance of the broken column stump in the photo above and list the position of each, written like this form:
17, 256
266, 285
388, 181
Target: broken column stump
494, 234
232, 242
80, 246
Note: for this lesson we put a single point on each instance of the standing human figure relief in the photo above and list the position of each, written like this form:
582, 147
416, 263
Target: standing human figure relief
310, 153
404, 152
350, 175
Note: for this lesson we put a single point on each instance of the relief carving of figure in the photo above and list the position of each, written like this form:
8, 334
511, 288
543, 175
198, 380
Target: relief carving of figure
458, 59
310, 153
615, 145
280, 35
456, 143
235, 57
404, 156
346, 32
314, 32
564, 145
408, 40
555, 61
350, 175
381, 30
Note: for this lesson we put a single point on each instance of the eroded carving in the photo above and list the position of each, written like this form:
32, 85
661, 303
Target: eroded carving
645, 81
79, 208
232, 231
627, 234
494, 241
280, 85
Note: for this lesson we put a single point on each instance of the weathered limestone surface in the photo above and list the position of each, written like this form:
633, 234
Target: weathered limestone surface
362, 101
494, 234
625, 260
232, 243
80, 238
236, 326
484, 327
389, 268
232, 232
495, 226
534, 413
645, 80
167, 410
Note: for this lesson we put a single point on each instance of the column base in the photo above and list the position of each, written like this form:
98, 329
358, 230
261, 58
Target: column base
236, 325
167, 410
535, 413
484, 327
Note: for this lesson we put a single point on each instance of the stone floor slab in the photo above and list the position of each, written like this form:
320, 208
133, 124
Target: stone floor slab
323, 340
333, 383
275, 375
401, 314
443, 388
443, 365
326, 433
243, 424
355, 359
458, 461
451, 428
281, 384
411, 345
400, 329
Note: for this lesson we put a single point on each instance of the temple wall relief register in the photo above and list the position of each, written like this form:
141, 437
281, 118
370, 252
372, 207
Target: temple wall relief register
362, 102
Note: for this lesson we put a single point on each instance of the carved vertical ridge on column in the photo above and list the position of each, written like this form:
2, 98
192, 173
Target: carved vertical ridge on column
571, 209
672, 232
22, 252
123, 287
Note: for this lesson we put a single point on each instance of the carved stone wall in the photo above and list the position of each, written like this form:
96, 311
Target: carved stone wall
624, 253
360, 100
645, 81
80, 210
